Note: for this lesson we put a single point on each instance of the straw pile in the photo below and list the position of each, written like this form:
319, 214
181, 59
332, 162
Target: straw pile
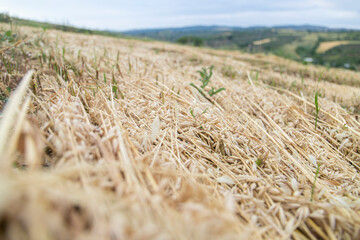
106, 139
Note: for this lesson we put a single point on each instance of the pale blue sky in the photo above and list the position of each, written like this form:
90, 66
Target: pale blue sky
132, 14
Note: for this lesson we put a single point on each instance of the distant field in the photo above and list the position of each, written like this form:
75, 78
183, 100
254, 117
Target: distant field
325, 46
292, 43
263, 41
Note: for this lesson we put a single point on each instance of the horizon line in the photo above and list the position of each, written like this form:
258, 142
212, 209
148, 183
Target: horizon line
67, 23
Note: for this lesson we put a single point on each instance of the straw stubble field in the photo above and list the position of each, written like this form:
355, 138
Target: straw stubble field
106, 139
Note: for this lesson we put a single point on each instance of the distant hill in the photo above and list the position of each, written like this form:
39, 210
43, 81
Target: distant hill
305, 28
297, 42
215, 28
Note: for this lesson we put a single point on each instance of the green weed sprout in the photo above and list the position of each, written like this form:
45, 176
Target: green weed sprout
206, 75
317, 108
8, 36
315, 178
213, 91
192, 114
195, 116
115, 89
258, 162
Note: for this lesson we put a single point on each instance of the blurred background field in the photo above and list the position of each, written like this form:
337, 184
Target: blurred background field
329, 47
308, 44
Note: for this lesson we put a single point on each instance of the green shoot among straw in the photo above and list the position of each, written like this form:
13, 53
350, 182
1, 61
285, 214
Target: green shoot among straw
317, 108
315, 178
213, 92
192, 114
206, 75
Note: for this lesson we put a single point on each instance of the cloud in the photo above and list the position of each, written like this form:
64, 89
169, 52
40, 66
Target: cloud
121, 14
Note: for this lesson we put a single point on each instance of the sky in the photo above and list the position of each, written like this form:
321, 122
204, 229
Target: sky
123, 15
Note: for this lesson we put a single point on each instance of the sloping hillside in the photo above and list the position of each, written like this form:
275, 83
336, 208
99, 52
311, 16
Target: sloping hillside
300, 43
107, 139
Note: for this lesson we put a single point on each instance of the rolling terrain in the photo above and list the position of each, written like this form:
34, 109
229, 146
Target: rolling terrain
110, 138
301, 43
319, 45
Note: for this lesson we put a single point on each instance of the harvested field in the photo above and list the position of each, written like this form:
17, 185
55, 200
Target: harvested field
325, 46
263, 41
104, 138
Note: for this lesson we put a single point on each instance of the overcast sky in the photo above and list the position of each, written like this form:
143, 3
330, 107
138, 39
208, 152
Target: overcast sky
135, 14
